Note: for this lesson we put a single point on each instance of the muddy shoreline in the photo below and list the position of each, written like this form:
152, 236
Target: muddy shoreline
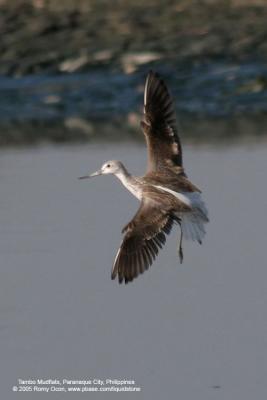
212, 132
60, 37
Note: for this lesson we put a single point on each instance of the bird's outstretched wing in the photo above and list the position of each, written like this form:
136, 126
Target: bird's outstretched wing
145, 234
160, 127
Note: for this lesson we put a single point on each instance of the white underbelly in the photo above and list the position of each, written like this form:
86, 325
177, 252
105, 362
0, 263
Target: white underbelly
136, 192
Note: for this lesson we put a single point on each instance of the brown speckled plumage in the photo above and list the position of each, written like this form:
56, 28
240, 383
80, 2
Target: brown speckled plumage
146, 233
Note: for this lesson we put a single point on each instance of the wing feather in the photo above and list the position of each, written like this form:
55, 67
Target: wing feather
160, 127
144, 236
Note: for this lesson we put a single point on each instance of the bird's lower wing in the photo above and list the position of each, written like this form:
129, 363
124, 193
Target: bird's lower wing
144, 236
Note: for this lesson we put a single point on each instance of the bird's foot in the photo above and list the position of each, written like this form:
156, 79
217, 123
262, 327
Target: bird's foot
181, 254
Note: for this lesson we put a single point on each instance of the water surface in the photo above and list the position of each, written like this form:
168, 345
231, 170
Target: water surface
214, 89
191, 331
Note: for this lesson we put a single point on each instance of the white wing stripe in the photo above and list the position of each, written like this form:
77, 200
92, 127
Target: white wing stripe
191, 199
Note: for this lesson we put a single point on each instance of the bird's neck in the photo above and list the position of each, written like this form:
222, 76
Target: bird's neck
123, 175
129, 182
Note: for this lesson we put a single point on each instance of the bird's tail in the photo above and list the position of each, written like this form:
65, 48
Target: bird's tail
192, 224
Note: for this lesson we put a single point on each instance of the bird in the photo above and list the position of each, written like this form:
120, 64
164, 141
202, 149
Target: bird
165, 193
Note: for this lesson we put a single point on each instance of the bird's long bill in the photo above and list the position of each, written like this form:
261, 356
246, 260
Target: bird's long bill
99, 172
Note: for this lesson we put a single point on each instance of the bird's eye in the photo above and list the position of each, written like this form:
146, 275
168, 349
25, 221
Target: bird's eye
108, 166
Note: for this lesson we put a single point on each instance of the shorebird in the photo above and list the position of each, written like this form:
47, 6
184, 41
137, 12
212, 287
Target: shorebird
165, 193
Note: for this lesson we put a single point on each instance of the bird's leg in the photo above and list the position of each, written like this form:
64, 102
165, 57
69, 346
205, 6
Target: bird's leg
180, 251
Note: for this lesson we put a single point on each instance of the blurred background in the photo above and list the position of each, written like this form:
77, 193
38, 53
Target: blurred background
72, 77
75, 70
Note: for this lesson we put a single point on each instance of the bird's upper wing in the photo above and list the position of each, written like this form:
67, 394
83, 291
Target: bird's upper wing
160, 128
145, 234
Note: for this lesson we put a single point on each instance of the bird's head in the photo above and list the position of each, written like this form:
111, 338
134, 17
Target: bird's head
109, 167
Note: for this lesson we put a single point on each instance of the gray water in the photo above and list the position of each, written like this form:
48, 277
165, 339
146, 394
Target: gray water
191, 331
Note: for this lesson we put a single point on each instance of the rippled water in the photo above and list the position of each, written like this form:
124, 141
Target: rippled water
216, 89
196, 331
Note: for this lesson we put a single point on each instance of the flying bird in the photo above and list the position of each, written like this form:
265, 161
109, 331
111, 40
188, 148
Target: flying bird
166, 195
